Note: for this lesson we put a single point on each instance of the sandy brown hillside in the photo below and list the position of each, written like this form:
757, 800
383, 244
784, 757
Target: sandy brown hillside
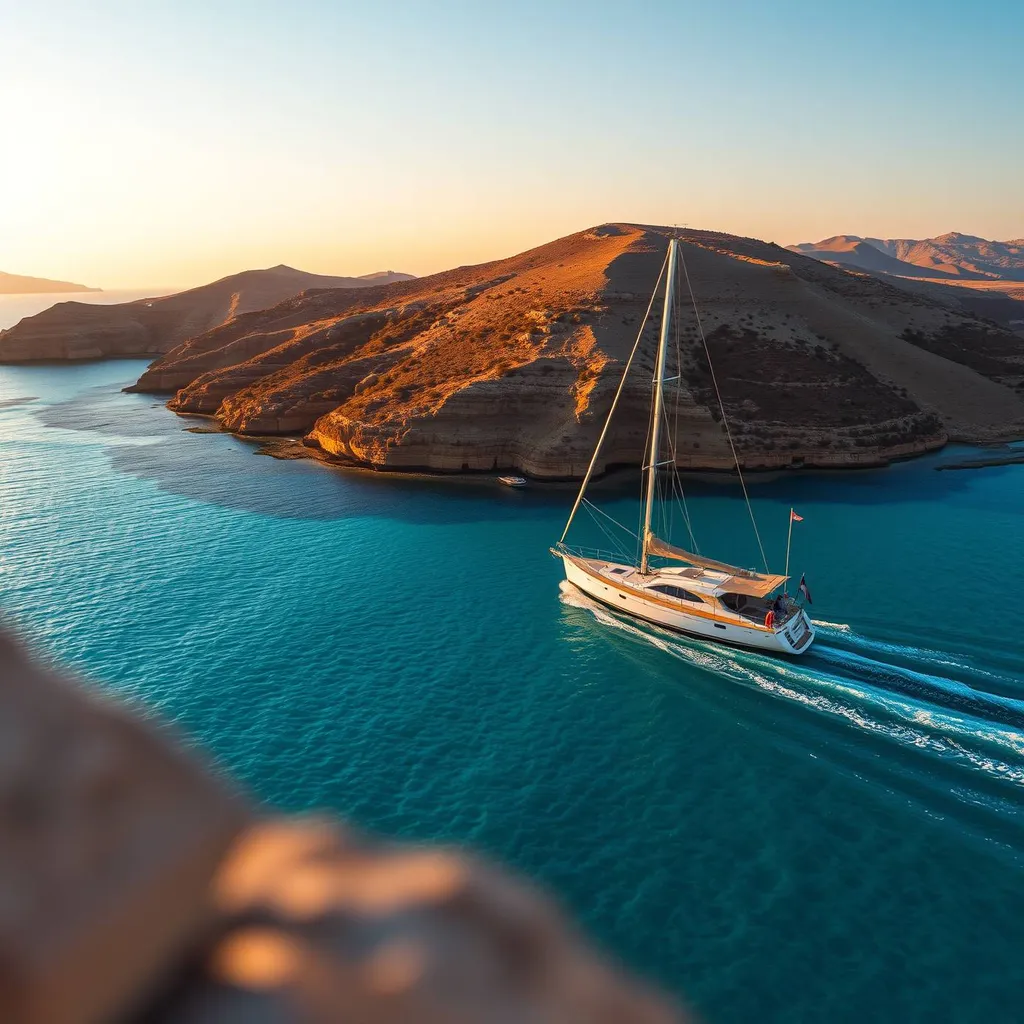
512, 364
77, 330
18, 284
998, 302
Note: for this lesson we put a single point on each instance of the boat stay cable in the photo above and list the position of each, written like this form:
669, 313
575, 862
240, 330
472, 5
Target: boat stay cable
615, 542
670, 430
653, 462
721, 407
677, 482
677, 488
663, 421
593, 508
615, 402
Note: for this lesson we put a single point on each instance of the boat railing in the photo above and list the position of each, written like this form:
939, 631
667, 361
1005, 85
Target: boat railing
601, 554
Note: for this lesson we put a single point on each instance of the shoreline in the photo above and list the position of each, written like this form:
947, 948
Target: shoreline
294, 448
1012, 457
86, 360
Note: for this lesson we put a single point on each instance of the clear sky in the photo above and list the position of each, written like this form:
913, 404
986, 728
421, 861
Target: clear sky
146, 143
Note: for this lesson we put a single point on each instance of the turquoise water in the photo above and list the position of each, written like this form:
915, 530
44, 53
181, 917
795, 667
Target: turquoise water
838, 837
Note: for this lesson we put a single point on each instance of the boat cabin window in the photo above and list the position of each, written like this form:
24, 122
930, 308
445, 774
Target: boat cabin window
618, 572
677, 592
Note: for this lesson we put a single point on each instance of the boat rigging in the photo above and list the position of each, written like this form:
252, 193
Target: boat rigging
699, 596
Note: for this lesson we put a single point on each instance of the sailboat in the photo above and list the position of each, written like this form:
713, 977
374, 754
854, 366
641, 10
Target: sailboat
682, 590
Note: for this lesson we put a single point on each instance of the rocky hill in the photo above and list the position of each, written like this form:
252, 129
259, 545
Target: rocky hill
78, 330
960, 255
971, 275
17, 284
512, 364
952, 255
385, 277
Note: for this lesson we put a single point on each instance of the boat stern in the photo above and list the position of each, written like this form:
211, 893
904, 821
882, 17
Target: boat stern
797, 634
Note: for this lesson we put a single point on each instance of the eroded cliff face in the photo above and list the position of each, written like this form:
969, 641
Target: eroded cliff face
512, 365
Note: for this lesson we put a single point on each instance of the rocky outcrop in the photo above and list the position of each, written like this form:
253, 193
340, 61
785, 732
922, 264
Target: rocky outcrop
322, 924
77, 330
512, 365
135, 886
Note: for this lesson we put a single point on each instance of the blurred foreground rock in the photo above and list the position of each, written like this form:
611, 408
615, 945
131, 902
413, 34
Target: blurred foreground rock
108, 839
135, 886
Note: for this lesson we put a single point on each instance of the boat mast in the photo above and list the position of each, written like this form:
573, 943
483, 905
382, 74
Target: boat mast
659, 398
615, 401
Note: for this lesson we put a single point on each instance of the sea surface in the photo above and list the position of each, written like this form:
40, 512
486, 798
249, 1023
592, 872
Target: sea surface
15, 307
838, 837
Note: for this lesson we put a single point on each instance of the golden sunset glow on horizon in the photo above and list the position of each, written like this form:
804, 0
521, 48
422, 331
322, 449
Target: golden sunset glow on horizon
170, 146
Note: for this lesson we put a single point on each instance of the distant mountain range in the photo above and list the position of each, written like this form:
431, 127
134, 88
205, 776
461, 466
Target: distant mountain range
972, 274
951, 257
386, 277
78, 330
17, 284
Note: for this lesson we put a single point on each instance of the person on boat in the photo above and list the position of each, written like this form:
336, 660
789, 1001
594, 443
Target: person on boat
780, 606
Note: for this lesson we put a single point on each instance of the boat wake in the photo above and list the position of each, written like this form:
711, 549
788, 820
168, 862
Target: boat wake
839, 627
925, 700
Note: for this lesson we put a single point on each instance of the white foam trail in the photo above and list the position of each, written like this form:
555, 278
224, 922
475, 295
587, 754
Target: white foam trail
571, 595
575, 598
941, 719
921, 653
959, 725
907, 719
839, 627
927, 660
902, 731
845, 633
873, 665
670, 643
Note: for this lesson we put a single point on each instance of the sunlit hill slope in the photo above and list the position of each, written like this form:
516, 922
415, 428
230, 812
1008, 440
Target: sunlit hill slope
512, 364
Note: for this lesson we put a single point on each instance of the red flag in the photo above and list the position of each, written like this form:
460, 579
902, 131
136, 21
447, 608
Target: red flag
794, 517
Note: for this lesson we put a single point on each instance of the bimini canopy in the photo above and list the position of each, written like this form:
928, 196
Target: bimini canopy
741, 581
754, 586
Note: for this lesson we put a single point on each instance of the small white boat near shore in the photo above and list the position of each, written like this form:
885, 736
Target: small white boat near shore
691, 594
512, 481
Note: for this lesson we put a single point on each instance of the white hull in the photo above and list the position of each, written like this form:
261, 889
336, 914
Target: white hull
795, 636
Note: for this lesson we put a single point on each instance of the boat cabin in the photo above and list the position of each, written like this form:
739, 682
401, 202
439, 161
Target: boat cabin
748, 596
